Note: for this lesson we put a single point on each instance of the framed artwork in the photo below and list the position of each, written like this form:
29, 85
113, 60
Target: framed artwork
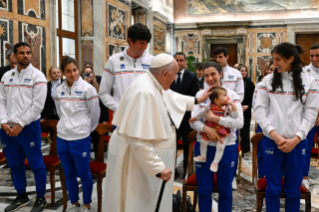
116, 22
113, 49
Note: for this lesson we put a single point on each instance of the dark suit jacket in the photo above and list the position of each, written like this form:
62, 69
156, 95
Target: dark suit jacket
3, 70
201, 83
49, 110
98, 79
189, 87
248, 98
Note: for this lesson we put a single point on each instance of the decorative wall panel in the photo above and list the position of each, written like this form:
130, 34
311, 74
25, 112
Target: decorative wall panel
6, 40
87, 24
113, 49
87, 52
6, 5
35, 37
191, 44
266, 42
116, 22
32, 8
261, 63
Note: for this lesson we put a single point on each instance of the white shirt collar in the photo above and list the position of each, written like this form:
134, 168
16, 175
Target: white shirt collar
57, 82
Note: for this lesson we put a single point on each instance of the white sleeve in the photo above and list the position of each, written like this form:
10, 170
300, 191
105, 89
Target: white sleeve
261, 108
311, 112
106, 86
202, 113
146, 156
233, 121
92, 101
198, 125
3, 103
240, 88
254, 96
57, 103
38, 101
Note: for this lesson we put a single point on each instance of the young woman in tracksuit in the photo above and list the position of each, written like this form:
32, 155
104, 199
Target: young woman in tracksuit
286, 109
205, 177
260, 152
77, 106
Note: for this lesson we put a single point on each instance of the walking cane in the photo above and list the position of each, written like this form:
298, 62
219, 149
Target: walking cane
160, 194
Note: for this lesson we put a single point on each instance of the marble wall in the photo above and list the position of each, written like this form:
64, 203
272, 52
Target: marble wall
189, 42
159, 36
27, 21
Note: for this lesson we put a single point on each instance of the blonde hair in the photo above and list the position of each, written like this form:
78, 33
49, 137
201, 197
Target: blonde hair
94, 81
53, 68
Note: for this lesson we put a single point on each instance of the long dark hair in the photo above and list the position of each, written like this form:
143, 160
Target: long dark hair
286, 50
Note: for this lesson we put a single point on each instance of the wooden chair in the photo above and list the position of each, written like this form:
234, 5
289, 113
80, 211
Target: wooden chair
97, 167
261, 184
51, 161
46, 136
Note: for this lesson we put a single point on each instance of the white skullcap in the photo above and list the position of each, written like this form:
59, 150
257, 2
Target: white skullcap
161, 60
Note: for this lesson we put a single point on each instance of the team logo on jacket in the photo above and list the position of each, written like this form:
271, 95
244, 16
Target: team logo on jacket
308, 70
303, 151
11, 80
230, 77
146, 66
62, 93
121, 58
78, 93
303, 85
269, 152
26, 80
13, 73
84, 154
32, 144
122, 66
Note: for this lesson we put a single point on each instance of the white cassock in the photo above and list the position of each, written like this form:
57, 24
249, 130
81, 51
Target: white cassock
143, 144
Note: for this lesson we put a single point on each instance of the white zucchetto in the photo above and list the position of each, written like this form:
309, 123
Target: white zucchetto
161, 60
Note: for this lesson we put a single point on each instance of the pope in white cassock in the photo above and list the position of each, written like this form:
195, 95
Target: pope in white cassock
143, 144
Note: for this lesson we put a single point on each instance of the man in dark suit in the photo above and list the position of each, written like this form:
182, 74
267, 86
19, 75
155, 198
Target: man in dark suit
200, 75
12, 63
186, 83
49, 110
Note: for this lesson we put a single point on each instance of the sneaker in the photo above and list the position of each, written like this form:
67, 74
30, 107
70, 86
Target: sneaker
234, 183
17, 203
84, 209
305, 182
74, 208
39, 204
245, 156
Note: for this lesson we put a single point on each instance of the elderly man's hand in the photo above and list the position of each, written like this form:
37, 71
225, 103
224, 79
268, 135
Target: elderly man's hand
205, 95
166, 174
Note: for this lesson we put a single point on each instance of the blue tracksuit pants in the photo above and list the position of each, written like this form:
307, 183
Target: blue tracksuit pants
75, 160
310, 138
278, 164
205, 179
260, 155
28, 142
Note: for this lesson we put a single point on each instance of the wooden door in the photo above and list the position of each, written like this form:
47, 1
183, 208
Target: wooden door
306, 41
232, 52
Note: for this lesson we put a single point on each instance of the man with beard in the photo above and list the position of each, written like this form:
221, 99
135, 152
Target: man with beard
22, 96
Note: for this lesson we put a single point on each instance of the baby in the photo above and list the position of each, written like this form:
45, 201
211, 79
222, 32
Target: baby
220, 105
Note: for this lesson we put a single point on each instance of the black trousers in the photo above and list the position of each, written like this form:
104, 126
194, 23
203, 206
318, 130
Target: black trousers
245, 132
183, 132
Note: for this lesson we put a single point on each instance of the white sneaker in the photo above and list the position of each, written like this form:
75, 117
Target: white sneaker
74, 208
84, 209
305, 182
234, 183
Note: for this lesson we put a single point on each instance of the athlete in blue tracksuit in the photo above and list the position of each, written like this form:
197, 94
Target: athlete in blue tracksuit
22, 97
225, 173
78, 107
286, 109
313, 70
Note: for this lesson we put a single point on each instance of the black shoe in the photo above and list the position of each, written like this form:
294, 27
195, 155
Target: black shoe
39, 204
17, 203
